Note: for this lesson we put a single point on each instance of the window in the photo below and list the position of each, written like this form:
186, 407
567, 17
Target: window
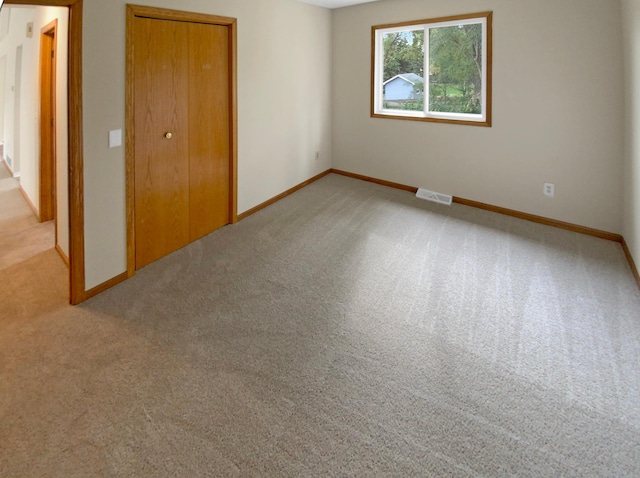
434, 70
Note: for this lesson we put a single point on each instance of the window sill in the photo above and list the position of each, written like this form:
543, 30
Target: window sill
433, 119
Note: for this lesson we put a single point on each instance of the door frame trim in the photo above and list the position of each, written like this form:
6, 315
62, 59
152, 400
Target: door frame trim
77, 291
134, 11
47, 183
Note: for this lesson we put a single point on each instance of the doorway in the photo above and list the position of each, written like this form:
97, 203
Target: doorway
181, 130
75, 169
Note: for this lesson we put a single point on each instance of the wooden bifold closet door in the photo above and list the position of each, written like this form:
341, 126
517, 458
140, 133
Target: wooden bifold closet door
182, 134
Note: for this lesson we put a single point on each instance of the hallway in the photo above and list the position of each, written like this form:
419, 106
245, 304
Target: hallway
33, 276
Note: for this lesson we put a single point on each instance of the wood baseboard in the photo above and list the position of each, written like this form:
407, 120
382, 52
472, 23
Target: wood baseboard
609, 236
126, 275
632, 264
283, 195
497, 209
6, 165
382, 182
467, 202
62, 255
104, 286
541, 220
31, 205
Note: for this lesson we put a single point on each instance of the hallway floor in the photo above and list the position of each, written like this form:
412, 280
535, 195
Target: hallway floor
32, 272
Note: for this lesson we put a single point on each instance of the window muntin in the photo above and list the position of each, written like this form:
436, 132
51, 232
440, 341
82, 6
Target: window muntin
434, 70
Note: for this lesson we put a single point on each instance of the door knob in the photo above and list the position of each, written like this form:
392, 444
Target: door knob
168, 135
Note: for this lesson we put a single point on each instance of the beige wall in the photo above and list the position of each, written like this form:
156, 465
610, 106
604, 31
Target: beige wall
631, 30
284, 101
557, 110
29, 132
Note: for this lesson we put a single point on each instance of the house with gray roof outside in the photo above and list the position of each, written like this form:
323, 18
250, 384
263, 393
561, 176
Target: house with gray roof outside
404, 87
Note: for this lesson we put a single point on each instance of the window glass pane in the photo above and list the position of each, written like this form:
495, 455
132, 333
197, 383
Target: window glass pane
403, 70
455, 69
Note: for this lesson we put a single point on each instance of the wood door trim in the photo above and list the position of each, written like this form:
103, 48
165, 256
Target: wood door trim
48, 70
233, 111
178, 15
76, 161
134, 11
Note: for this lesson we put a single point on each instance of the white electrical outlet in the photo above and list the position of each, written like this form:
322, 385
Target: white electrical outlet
317, 155
549, 189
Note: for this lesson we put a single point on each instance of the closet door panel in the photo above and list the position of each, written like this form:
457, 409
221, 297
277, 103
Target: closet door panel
209, 131
161, 138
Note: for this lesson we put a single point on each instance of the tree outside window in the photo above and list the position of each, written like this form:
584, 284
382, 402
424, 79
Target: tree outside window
447, 61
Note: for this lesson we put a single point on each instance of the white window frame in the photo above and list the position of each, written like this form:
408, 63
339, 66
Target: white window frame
377, 100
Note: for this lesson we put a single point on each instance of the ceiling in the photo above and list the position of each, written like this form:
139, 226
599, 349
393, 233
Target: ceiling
336, 3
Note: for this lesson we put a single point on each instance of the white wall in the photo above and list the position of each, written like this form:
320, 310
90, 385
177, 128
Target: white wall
15, 20
284, 101
29, 90
557, 110
631, 31
3, 75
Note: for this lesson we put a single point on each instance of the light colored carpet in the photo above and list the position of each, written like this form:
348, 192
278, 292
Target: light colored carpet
21, 235
348, 330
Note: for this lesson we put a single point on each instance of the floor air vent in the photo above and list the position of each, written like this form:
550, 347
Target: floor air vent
435, 197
